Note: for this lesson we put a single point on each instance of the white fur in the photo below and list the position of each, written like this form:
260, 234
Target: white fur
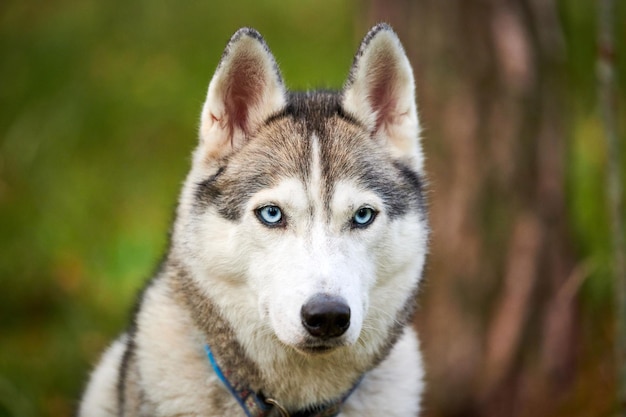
390, 390
100, 398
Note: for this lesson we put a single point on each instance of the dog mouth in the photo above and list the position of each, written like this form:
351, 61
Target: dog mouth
318, 348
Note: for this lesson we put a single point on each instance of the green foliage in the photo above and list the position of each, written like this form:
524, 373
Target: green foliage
587, 150
100, 103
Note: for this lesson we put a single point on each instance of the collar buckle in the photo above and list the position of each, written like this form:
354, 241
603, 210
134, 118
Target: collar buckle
278, 406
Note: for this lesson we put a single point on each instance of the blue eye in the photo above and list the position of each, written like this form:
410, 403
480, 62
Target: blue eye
364, 217
270, 215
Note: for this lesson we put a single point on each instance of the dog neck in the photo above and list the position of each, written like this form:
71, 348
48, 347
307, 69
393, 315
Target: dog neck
257, 405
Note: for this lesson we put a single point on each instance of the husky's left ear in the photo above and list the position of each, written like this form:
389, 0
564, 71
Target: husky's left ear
380, 92
246, 89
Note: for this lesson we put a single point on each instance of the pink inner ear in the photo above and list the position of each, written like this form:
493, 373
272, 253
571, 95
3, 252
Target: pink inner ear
245, 87
382, 99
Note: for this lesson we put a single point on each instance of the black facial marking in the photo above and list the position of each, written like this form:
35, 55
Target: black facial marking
314, 108
206, 190
230, 196
414, 184
399, 188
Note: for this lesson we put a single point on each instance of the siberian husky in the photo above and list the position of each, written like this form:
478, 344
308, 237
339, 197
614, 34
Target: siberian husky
290, 282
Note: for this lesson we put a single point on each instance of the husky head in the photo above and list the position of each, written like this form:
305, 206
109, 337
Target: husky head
303, 216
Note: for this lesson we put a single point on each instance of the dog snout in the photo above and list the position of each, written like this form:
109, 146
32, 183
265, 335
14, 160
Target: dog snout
325, 316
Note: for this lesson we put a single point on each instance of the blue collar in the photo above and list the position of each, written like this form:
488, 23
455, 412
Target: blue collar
256, 405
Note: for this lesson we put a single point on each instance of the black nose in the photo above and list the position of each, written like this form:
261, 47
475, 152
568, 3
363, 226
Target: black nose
325, 316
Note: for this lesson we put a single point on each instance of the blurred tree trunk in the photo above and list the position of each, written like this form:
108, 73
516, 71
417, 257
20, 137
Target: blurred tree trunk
498, 319
608, 102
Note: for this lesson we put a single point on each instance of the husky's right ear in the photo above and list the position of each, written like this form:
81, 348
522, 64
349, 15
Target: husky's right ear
246, 89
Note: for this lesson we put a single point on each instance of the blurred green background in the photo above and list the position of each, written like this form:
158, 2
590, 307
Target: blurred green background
100, 103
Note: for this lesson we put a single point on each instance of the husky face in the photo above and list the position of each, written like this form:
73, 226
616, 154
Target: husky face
309, 204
